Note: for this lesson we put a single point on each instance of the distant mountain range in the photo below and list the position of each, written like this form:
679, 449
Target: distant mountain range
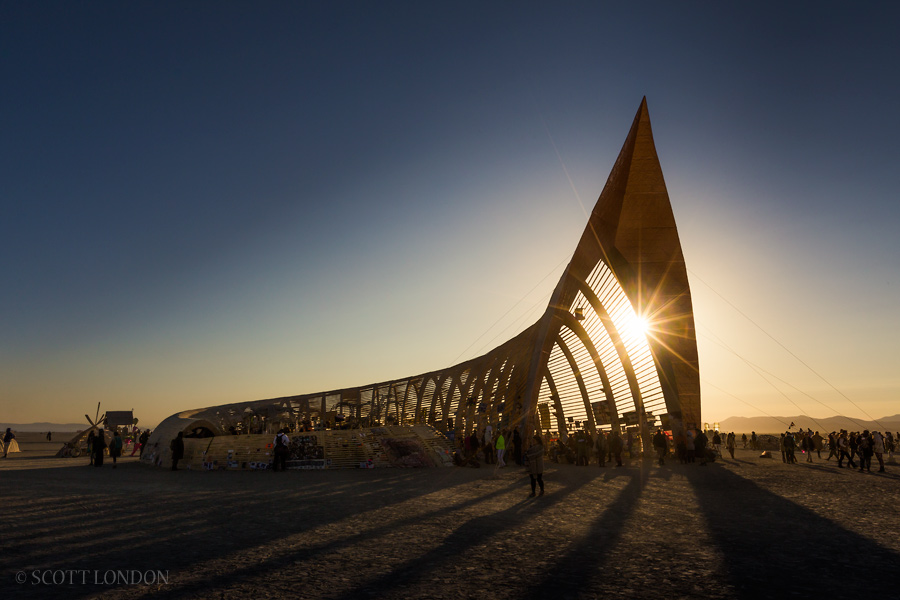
737, 424
44, 426
823, 425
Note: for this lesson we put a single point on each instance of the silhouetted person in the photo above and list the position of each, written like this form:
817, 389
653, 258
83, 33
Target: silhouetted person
806, 447
832, 446
115, 447
99, 447
700, 444
790, 445
865, 451
517, 446
177, 447
282, 449
534, 460
474, 445
8, 437
878, 449
616, 446
142, 441
600, 446
582, 449
661, 445
844, 447
817, 444
730, 441
90, 445
49, 436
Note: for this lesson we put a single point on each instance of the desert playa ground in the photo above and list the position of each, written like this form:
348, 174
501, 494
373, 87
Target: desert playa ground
745, 528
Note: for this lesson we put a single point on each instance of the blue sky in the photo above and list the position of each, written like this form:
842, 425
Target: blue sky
206, 202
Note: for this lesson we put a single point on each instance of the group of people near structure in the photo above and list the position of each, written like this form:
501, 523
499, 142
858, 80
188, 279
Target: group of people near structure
689, 446
114, 445
579, 448
841, 445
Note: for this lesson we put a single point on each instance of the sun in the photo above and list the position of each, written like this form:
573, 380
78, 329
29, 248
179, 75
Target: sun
637, 327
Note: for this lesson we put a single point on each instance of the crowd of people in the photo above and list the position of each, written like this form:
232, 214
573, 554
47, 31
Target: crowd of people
101, 443
581, 448
841, 445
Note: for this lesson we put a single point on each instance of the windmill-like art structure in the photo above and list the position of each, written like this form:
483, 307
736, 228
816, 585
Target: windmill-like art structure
615, 349
73, 448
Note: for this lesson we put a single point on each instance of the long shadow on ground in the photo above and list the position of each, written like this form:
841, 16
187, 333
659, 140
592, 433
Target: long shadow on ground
94, 528
773, 547
470, 534
577, 569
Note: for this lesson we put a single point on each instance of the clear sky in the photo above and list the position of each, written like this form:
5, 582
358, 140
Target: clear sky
211, 202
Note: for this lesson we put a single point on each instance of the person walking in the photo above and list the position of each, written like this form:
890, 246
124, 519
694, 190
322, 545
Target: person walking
878, 449
844, 447
864, 449
729, 444
142, 441
501, 448
115, 446
832, 446
534, 462
177, 448
806, 444
818, 444
661, 445
716, 443
789, 446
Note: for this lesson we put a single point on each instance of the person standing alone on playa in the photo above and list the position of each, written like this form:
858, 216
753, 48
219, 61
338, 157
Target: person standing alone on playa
534, 461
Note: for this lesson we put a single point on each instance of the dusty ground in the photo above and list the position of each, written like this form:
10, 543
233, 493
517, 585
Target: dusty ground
746, 528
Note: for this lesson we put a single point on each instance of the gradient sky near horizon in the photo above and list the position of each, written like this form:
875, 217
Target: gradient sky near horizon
211, 202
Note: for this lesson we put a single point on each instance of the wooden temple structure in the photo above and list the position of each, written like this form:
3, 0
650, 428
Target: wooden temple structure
615, 348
